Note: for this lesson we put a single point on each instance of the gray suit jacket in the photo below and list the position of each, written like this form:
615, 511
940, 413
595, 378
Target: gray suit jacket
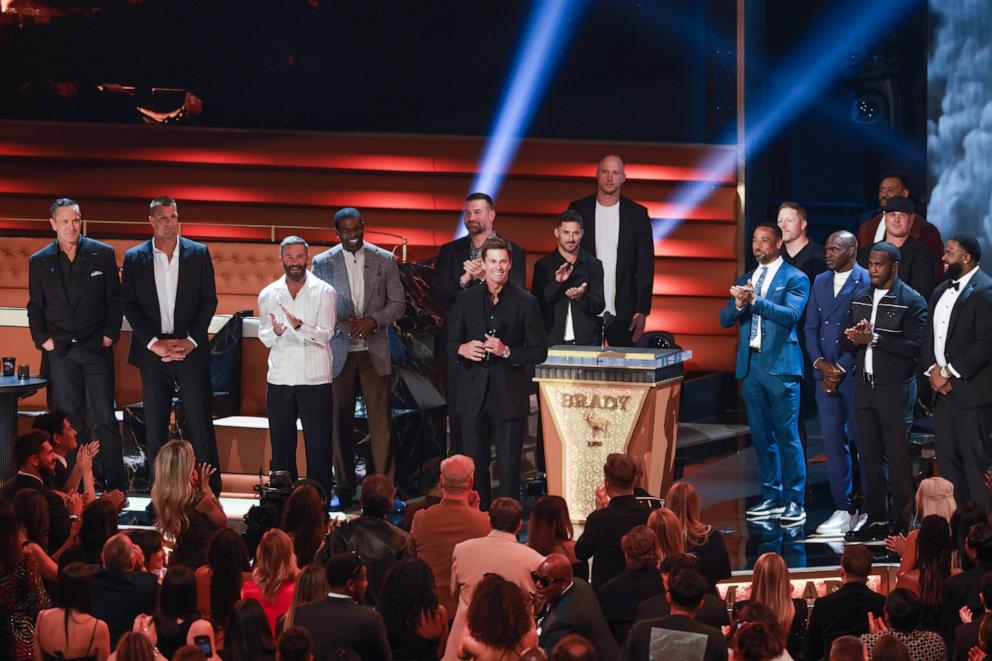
384, 302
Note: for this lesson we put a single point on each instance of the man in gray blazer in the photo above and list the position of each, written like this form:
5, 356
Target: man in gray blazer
370, 298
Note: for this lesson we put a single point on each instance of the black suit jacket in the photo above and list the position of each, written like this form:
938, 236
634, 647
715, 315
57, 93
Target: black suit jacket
98, 311
621, 595
968, 347
957, 591
841, 613
445, 285
336, 623
601, 537
577, 611
639, 642
900, 322
505, 382
119, 597
550, 295
635, 254
58, 517
196, 299
916, 268
712, 613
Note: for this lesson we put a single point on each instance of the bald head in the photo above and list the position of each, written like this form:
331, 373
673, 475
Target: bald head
552, 577
609, 178
556, 565
841, 249
457, 472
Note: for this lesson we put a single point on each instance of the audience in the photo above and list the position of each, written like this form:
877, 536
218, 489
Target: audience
311, 586
35, 466
150, 543
121, 591
22, 594
568, 606
618, 512
274, 578
668, 529
294, 644
63, 437
984, 648
71, 631
770, 586
189, 653
934, 497
247, 634
416, 624
963, 589
99, 523
965, 516
136, 646
549, 530
219, 582
932, 566
848, 648
573, 647
901, 621
178, 621
890, 648
304, 519
641, 580
763, 641
31, 510
966, 635
702, 540
499, 623
430, 481
713, 612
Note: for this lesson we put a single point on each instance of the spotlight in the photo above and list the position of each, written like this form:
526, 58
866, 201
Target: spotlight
868, 108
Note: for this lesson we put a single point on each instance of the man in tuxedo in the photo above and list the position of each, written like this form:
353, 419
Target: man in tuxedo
169, 299
885, 327
35, 461
618, 232
570, 607
917, 268
459, 267
833, 369
957, 357
568, 285
65, 441
494, 333
74, 313
766, 305
369, 299
896, 184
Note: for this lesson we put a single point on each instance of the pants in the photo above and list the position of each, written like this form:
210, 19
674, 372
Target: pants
479, 433
772, 405
358, 369
311, 405
455, 445
158, 381
840, 437
884, 414
964, 447
83, 387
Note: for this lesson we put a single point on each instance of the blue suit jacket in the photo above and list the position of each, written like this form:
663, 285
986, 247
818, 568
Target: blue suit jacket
780, 310
826, 318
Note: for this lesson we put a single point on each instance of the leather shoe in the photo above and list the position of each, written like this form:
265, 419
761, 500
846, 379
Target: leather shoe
766, 508
793, 513
872, 531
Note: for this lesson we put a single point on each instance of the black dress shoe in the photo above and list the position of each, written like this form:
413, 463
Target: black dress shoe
793, 513
872, 531
766, 508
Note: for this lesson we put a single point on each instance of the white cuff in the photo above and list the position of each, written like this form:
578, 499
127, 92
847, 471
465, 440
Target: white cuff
192, 341
149, 345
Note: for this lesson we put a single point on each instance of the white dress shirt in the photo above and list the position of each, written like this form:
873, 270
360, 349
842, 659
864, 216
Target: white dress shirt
354, 265
166, 286
607, 240
298, 357
877, 296
942, 319
773, 268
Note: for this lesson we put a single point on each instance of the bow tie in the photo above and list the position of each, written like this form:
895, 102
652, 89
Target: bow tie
955, 285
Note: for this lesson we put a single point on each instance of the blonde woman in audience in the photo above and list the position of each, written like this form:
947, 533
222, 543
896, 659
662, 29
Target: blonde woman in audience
770, 586
702, 540
935, 495
273, 580
668, 529
311, 586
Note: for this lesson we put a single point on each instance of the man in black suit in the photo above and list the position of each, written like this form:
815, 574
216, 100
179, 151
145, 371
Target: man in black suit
712, 612
121, 591
963, 589
339, 621
618, 232
686, 596
918, 265
169, 299
570, 607
494, 333
74, 312
885, 327
957, 357
35, 465
568, 284
844, 612
458, 267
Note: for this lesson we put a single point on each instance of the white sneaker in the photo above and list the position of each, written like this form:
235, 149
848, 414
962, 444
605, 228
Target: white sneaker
858, 521
838, 524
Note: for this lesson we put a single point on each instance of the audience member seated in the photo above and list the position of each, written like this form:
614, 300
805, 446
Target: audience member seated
150, 543
757, 644
499, 552
219, 582
966, 635
668, 530
380, 543
339, 620
770, 586
99, 523
63, 437
963, 589
294, 644
932, 566
685, 595
549, 530
702, 540
934, 496
618, 511
713, 612
890, 648
121, 591
35, 465
416, 624
22, 594
274, 577
848, 648
430, 479
642, 580
178, 621
965, 516
844, 612
984, 648
901, 621
573, 647
569, 606
456, 518
31, 510
499, 624
189, 653
304, 519
187, 511
247, 634
311, 586
136, 646
70, 632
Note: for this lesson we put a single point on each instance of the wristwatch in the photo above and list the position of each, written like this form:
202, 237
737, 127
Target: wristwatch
944, 372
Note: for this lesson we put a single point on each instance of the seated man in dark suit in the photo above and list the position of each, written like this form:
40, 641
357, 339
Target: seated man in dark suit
685, 594
35, 461
618, 512
713, 611
570, 607
120, 593
844, 612
338, 621
642, 580
966, 635
963, 589
65, 477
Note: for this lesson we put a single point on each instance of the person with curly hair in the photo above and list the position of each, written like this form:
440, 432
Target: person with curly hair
304, 519
218, 583
416, 624
932, 568
273, 580
500, 624
620, 596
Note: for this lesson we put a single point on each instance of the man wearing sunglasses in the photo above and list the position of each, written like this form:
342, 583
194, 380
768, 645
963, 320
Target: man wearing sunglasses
570, 607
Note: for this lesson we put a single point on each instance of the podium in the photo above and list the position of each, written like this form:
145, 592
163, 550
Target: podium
595, 402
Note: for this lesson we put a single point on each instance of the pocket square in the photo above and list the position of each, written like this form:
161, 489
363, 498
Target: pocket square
96, 273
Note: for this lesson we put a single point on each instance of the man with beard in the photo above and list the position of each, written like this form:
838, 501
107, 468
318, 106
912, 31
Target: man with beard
35, 466
917, 268
296, 317
957, 348
896, 184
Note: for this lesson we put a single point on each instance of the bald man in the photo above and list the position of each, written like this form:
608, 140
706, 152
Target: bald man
833, 368
570, 607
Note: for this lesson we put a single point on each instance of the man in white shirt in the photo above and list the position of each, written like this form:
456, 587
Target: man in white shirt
296, 316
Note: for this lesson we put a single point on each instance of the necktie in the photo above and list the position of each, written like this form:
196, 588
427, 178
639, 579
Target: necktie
954, 285
756, 319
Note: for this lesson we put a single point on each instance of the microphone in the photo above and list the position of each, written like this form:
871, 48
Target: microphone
608, 319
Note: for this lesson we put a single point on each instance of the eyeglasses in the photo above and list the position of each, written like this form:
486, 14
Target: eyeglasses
543, 581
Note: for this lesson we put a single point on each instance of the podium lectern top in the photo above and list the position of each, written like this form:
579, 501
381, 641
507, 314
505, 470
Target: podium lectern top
645, 366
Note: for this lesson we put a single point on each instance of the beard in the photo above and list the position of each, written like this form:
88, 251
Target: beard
954, 271
295, 273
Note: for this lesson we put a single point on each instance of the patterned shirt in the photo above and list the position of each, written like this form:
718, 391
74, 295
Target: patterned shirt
922, 645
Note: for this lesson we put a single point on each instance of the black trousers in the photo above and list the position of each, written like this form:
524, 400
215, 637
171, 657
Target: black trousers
83, 387
312, 405
158, 381
884, 415
478, 435
963, 440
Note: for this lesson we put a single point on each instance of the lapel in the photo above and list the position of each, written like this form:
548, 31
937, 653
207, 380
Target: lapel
962, 298
854, 282
622, 238
52, 271
82, 268
151, 292
184, 254
370, 273
778, 278
340, 274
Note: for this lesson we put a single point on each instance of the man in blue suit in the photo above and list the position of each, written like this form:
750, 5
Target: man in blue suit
833, 368
766, 305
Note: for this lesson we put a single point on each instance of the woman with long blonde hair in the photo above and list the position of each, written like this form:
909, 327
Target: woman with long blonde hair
770, 586
668, 529
273, 580
311, 586
702, 540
